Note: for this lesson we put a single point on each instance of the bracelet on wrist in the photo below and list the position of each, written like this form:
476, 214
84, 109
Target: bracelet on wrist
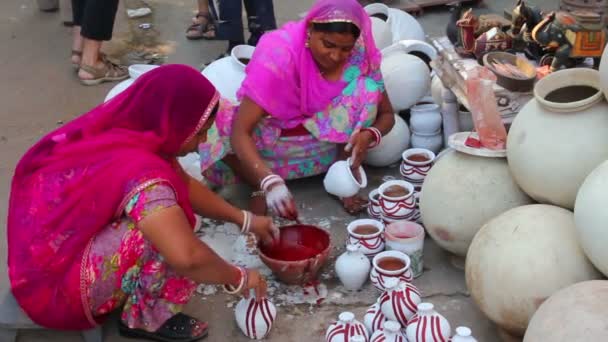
268, 181
246, 226
242, 282
376, 135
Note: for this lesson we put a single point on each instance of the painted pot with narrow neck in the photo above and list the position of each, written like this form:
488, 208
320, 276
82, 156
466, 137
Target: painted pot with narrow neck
428, 325
368, 234
400, 301
374, 318
390, 332
345, 329
255, 318
352, 268
390, 264
463, 334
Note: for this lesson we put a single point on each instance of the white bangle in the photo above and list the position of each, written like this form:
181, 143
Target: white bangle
242, 282
269, 180
246, 222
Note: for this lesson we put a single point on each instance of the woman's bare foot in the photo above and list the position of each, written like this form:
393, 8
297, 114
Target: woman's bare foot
354, 205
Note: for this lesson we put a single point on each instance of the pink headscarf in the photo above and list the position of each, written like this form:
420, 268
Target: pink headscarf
75, 181
282, 76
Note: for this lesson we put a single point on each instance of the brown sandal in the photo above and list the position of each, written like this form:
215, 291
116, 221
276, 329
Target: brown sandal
76, 53
199, 30
110, 72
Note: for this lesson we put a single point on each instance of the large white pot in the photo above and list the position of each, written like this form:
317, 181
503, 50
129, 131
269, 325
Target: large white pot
406, 78
392, 145
591, 217
437, 89
135, 71
520, 258
418, 48
381, 32
575, 313
461, 193
340, 181
228, 73
552, 147
604, 73
402, 24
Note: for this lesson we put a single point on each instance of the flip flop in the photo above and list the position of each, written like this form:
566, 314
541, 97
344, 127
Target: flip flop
176, 329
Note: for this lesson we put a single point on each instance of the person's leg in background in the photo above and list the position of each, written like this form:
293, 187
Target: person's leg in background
229, 22
77, 40
96, 25
260, 16
202, 26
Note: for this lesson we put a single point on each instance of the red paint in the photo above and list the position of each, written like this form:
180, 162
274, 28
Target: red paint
297, 242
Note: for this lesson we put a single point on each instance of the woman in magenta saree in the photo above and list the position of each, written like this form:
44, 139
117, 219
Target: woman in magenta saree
101, 215
312, 88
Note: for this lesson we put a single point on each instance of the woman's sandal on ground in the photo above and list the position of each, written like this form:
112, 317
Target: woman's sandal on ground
201, 30
110, 72
178, 328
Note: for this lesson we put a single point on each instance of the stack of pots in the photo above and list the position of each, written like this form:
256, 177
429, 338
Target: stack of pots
425, 124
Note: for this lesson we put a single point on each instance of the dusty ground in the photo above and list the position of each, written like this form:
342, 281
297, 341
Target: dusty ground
39, 91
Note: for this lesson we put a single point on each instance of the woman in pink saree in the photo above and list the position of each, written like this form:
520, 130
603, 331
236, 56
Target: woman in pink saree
101, 215
313, 93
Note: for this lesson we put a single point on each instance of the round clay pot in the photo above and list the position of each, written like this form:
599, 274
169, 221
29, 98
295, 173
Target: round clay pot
591, 217
373, 209
519, 259
390, 332
369, 244
400, 300
454, 207
402, 24
380, 275
575, 313
414, 171
381, 31
340, 180
429, 141
397, 208
338, 333
352, 268
428, 325
400, 71
254, 317
418, 48
391, 146
463, 334
228, 73
552, 147
425, 118
374, 318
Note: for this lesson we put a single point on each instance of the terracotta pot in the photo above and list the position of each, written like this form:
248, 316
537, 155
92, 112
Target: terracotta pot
340, 181
254, 317
519, 259
374, 210
428, 325
575, 313
390, 332
415, 171
407, 237
374, 318
369, 244
391, 146
554, 134
309, 244
352, 268
345, 328
397, 208
400, 300
590, 217
379, 275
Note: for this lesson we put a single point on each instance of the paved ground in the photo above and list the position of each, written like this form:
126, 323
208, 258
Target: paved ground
39, 90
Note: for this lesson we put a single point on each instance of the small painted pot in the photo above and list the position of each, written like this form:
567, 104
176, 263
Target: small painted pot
397, 208
369, 244
374, 318
373, 209
407, 237
255, 318
379, 275
415, 165
428, 326
390, 332
400, 301
345, 328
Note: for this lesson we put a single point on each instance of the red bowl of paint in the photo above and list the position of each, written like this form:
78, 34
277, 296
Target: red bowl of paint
298, 255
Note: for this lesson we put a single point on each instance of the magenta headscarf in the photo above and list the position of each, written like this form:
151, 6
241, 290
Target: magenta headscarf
74, 182
282, 76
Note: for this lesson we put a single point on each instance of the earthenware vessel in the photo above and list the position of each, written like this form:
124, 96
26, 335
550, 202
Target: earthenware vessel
407, 237
400, 71
380, 272
390, 332
352, 268
403, 25
428, 325
340, 179
425, 118
345, 328
374, 318
391, 146
227, 74
463, 334
370, 243
415, 165
396, 208
381, 31
430, 141
255, 318
373, 209
400, 300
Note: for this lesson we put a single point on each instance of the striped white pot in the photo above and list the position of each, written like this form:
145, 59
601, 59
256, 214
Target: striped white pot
255, 318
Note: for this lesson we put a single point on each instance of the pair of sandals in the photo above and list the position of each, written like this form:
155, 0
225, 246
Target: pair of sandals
202, 27
179, 328
109, 72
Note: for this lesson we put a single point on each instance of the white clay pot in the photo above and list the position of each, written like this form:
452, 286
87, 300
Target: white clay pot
255, 318
522, 257
454, 210
137, 70
463, 334
379, 276
402, 24
428, 325
590, 216
352, 268
370, 244
374, 318
575, 313
551, 146
604, 73
437, 89
425, 118
391, 146
400, 71
345, 328
397, 208
400, 300
407, 237
430, 141
381, 32
390, 332
228, 73
340, 181
373, 209
418, 48
415, 171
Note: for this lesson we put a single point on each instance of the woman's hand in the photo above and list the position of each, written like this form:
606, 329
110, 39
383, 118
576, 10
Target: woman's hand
280, 200
357, 146
256, 282
264, 229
